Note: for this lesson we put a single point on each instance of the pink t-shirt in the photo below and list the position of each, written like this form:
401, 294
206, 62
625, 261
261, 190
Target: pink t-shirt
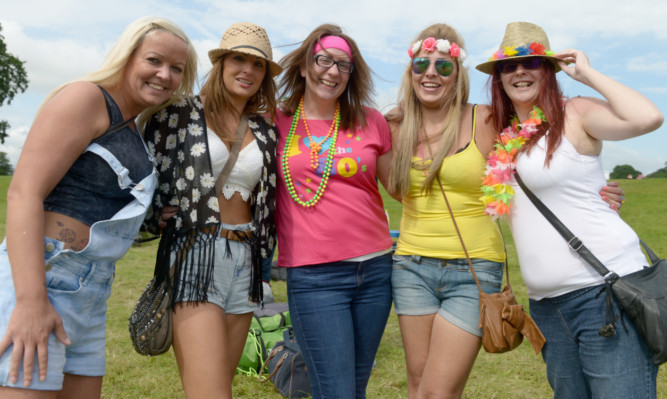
349, 219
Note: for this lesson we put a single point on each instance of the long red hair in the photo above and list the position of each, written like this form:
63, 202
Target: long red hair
549, 100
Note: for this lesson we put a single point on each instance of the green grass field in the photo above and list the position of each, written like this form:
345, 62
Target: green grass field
519, 374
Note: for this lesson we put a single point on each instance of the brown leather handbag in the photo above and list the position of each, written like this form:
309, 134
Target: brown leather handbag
503, 321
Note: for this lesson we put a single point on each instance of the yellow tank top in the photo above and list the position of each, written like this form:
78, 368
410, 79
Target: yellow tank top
426, 226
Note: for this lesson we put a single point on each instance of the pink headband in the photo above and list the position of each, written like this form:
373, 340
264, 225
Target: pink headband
333, 42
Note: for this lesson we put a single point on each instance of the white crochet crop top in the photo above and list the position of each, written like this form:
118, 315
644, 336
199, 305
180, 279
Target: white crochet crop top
247, 169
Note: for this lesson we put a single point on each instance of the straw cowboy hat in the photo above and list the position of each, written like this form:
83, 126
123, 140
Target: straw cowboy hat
246, 38
522, 40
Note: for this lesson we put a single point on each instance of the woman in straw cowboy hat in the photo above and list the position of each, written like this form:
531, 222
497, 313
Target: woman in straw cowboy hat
80, 191
437, 134
333, 235
558, 158
215, 236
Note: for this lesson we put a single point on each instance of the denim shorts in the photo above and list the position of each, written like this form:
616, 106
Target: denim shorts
232, 271
423, 286
78, 291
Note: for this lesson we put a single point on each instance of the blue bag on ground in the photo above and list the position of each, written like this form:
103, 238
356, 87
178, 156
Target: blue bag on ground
286, 368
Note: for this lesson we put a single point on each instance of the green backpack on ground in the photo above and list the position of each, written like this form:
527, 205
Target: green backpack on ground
266, 328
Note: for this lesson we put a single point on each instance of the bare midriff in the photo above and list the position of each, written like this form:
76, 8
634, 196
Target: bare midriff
234, 210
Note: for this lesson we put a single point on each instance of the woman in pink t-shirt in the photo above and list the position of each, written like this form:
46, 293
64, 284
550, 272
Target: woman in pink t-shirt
333, 234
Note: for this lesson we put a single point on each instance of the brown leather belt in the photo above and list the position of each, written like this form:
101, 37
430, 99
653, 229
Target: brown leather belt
236, 235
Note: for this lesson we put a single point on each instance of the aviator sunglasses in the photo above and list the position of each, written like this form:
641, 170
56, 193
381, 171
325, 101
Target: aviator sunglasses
444, 67
527, 64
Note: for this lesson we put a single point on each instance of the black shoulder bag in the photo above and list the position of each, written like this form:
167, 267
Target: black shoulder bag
642, 294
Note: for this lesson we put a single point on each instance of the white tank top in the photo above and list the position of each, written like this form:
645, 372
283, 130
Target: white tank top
246, 171
570, 188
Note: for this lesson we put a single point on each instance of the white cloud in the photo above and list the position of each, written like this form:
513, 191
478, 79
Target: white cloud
66, 39
654, 63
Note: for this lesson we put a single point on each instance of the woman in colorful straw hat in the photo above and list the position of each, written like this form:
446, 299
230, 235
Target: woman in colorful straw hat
81, 189
557, 143
333, 235
216, 235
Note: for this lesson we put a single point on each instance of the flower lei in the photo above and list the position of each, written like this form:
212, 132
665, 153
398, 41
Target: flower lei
521, 50
442, 45
499, 167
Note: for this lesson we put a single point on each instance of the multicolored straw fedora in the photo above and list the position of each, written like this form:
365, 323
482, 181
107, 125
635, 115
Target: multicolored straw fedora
522, 40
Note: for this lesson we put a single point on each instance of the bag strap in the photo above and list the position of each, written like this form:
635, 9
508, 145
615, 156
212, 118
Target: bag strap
572, 241
233, 153
465, 250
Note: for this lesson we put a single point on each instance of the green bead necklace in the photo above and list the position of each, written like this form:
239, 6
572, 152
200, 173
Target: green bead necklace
327, 166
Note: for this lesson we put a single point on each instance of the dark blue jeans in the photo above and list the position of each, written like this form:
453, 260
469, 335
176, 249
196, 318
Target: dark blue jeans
582, 364
339, 311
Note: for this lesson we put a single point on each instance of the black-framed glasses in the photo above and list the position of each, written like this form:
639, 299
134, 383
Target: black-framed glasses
328, 62
444, 67
527, 64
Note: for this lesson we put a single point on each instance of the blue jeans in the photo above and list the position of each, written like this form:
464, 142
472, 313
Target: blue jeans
339, 311
583, 364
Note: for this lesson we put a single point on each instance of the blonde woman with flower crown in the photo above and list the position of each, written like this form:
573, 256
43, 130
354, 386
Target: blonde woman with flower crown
436, 132
559, 160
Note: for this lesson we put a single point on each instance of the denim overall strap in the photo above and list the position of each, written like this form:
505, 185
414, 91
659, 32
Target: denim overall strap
123, 173
111, 239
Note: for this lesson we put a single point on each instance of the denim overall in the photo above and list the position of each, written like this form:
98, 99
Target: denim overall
79, 284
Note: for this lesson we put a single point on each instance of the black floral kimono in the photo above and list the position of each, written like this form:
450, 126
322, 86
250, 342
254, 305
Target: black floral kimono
176, 136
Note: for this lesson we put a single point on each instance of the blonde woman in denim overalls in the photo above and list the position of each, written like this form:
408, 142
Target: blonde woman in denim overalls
81, 189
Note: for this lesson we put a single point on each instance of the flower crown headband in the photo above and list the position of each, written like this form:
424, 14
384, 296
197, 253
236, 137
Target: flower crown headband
430, 44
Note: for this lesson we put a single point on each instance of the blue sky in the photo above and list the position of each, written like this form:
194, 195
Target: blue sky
627, 41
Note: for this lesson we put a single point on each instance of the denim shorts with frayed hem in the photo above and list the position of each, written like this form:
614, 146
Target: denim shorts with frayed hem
423, 286
231, 274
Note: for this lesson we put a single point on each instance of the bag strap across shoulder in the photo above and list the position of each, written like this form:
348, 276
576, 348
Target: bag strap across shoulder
572, 241
233, 153
465, 250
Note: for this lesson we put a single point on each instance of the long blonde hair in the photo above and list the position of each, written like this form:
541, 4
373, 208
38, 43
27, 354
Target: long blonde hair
410, 117
112, 68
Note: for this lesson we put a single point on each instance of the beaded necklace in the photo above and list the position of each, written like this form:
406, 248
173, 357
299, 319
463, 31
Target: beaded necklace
328, 164
316, 147
499, 167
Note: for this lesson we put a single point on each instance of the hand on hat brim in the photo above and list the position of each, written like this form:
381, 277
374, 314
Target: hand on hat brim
580, 61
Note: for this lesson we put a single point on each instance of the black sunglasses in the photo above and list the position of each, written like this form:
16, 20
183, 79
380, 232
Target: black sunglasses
527, 64
444, 67
328, 62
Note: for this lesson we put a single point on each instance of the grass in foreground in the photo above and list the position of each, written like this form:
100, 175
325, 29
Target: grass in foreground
519, 374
